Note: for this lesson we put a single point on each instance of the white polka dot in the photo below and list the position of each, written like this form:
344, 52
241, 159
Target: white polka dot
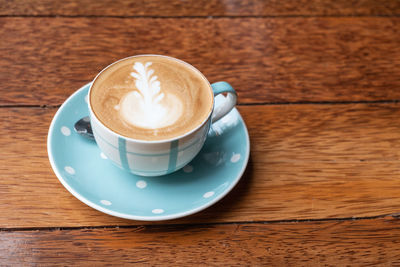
235, 158
69, 169
105, 202
208, 194
65, 131
141, 184
86, 119
86, 98
103, 156
157, 211
188, 168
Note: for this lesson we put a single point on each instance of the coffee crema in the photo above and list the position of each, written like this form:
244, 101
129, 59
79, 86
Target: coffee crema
151, 97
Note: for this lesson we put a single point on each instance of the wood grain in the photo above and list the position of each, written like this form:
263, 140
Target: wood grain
307, 162
328, 243
267, 60
199, 8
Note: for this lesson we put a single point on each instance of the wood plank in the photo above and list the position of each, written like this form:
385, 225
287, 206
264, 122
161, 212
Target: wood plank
199, 8
328, 243
307, 162
44, 60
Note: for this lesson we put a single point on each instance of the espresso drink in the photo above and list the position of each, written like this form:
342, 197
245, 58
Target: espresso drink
151, 97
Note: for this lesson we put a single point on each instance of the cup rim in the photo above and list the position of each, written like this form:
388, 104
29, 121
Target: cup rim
93, 114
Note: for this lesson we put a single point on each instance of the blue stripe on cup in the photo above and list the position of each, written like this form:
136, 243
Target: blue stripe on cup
173, 156
122, 153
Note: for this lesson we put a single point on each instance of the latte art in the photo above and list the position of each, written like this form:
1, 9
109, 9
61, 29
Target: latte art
151, 97
148, 106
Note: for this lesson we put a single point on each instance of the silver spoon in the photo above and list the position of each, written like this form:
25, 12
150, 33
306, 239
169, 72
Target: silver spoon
84, 128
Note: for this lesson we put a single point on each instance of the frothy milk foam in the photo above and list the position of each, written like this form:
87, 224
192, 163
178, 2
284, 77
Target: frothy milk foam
148, 106
151, 97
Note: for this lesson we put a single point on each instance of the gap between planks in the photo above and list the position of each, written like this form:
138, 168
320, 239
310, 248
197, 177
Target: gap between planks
149, 226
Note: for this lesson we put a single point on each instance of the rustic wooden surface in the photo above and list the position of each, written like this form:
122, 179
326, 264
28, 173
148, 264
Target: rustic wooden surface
307, 162
268, 60
319, 90
174, 8
327, 243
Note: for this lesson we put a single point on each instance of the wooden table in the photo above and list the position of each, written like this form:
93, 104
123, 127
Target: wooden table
319, 89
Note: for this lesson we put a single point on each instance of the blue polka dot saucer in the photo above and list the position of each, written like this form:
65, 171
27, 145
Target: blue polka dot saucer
87, 174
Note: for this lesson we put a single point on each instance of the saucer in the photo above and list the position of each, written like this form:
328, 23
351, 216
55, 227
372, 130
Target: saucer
87, 174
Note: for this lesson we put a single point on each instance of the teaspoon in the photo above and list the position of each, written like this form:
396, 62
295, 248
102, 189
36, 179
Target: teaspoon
84, 128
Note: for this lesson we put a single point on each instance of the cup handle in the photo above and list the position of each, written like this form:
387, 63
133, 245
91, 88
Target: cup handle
223, 108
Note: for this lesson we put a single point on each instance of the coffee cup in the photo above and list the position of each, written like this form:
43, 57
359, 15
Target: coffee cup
151, 114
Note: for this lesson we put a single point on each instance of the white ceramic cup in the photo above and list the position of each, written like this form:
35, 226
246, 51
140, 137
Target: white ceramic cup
155, 158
